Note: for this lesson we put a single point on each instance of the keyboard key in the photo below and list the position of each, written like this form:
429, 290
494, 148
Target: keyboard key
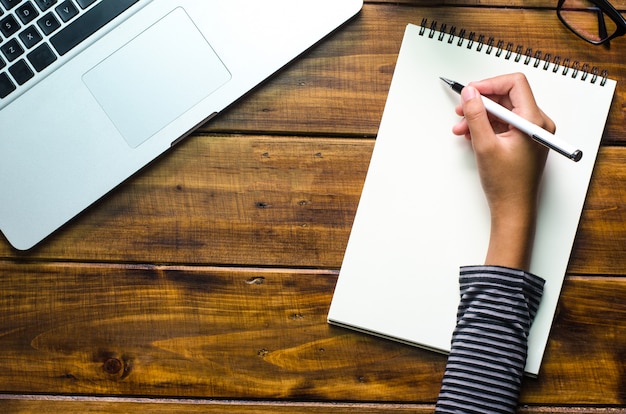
85, 3
48, 23
2, 64
9, 26
30, 37
27, 12
41, 57
21, 72
12, 50
9, 4
66, 10
45, 4
6, 85
89, 23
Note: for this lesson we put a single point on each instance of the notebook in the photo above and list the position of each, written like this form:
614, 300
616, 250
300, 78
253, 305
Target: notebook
422, 213
93, 90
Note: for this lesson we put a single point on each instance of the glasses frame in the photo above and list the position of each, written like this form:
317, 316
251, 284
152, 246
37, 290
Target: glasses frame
607, 9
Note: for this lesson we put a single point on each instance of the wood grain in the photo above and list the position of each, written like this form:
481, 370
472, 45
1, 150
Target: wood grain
341, 85
51, 405
227, 200
526, 4
32, 404
260, 334
279, 201
203, 283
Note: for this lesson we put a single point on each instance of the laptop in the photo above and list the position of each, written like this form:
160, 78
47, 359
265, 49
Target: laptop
93, 90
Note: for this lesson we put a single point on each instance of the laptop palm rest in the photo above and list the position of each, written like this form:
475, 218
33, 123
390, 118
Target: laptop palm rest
156, 77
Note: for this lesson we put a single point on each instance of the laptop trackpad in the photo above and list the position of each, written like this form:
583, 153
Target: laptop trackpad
156, 77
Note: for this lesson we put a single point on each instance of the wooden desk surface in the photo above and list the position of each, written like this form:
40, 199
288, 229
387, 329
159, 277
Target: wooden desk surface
203, 284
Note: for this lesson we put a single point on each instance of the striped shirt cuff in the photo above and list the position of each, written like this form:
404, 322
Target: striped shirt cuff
489, 344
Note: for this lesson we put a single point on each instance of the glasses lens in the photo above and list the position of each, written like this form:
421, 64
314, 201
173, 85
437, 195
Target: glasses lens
587, 20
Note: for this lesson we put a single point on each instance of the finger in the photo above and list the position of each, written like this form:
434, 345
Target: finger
476, 117
460, 128
514, 85
459, 110
548, 124
513, 91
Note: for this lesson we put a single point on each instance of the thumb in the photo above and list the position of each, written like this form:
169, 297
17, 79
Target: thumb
476, 116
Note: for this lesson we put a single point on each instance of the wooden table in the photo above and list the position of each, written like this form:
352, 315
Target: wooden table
203, 284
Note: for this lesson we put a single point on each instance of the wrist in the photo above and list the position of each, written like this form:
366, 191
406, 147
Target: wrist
511, 237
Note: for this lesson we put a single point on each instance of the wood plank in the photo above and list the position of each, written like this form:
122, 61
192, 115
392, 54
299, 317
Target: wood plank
341, 85
54, 405
229, 201
150, 406
599, 244
278, 201
193, 332
526, 4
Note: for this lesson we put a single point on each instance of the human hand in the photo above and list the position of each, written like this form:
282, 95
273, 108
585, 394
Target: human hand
510, 163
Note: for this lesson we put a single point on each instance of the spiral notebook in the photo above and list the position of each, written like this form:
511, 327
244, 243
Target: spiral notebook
422, 213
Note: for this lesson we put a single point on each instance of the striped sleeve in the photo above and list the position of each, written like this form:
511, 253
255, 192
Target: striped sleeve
489, 344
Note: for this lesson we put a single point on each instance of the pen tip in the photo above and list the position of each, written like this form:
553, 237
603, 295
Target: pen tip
448, 81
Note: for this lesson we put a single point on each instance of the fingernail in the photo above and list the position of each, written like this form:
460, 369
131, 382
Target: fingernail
468, 93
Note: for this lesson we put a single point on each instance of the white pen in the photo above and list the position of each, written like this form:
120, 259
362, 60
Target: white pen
534, 131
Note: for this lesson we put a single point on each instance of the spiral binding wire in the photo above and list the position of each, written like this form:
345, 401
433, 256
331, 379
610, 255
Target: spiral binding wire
538, 59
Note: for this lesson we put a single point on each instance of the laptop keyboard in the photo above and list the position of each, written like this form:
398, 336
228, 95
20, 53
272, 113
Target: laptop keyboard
34, 34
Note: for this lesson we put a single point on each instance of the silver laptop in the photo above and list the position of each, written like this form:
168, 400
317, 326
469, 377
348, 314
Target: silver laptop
93, 90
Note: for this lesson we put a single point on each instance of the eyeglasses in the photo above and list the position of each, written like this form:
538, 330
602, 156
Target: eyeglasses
595, 21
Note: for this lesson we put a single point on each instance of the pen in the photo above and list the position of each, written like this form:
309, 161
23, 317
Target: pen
534, 131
